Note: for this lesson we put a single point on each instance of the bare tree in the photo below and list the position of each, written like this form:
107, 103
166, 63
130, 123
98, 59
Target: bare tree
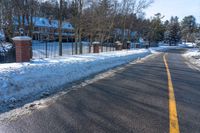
77, 10
132, 7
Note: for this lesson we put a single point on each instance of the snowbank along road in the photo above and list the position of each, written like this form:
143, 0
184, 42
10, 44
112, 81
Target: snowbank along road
157, 95
22, 83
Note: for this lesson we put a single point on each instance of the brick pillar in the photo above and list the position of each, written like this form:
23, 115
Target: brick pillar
96, 48
23, 46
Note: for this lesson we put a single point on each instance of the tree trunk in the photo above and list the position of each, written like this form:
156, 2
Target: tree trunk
60, 28
80, 43
76, 41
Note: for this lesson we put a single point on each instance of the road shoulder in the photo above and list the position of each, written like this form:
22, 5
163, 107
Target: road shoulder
37, 105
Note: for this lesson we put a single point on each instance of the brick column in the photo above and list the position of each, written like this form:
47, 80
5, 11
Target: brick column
23, 46
96, 47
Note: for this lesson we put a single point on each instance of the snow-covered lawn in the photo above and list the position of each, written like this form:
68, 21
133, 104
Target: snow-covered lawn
40, 77
24, 79
194, 56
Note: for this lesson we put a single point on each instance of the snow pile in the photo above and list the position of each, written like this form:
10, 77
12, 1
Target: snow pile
182, 45
19, 80
193, 55
41, 77
188, 45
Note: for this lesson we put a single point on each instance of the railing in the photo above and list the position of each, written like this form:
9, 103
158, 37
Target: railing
46, 49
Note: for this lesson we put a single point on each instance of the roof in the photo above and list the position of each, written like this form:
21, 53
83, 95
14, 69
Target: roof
45, 22
41, 22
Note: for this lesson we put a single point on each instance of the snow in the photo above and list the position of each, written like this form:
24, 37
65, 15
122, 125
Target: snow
96, 43
163, 48
41, 22
19, 38
188, 45
193, 55
41, 77
18, 80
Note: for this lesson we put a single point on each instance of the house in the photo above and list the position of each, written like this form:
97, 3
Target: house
127, 34
44, 28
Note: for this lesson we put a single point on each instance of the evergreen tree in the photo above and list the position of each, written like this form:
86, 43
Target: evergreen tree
173, 31
188, 28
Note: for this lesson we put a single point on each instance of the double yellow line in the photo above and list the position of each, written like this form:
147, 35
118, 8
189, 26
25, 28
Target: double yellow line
173, 119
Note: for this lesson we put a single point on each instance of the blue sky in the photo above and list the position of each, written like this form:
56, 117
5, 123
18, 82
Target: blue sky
178, 8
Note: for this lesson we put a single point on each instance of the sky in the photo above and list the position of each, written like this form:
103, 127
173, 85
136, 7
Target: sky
180, 8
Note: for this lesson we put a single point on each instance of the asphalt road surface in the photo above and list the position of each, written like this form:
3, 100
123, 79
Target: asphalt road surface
134, 100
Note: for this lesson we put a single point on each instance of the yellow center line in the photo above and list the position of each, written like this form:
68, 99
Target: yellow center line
173, 119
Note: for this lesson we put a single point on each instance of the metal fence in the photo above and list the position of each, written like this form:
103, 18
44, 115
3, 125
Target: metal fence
47, 49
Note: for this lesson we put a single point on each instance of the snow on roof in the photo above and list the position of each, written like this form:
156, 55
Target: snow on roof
54, 23
45, 22
67, 25
41, 22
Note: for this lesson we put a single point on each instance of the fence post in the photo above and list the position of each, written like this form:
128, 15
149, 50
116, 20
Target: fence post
72, 48
46, 48
96, 47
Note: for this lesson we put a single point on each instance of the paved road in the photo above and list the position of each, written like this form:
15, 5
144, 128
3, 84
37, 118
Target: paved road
134, 100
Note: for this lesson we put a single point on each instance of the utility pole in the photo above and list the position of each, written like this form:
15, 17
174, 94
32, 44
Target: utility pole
60, 27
